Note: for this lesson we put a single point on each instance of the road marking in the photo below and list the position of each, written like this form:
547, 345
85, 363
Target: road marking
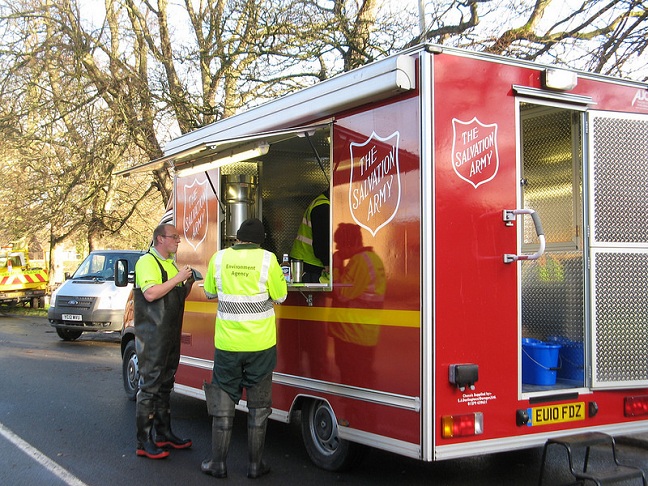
41, 458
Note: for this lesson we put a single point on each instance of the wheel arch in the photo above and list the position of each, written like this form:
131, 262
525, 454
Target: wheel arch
300, 401
128, 335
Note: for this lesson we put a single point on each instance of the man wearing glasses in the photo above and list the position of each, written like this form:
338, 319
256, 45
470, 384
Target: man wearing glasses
159, 295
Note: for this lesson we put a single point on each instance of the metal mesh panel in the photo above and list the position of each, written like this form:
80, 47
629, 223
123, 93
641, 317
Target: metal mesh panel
240, 168
621, 339
291, 179
548, 173
552, 297
620, 179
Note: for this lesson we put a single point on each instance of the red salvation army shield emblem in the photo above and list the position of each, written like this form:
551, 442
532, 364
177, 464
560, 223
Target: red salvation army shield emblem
375, 188
196, 213
474, 151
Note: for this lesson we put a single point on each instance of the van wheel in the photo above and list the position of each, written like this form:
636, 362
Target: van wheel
130, 370
323, 444
67, 334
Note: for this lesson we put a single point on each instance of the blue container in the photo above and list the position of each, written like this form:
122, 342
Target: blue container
572, 366
539, 362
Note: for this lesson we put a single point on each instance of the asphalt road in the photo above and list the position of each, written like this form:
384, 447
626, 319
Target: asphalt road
64, 420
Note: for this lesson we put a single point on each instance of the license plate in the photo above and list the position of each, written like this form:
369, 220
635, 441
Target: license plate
72, 317
555, 414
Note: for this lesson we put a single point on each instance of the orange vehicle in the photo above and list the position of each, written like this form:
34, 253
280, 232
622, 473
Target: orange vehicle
499, 202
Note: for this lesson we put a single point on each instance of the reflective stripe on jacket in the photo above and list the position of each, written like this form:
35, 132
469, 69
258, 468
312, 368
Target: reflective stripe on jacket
302, 248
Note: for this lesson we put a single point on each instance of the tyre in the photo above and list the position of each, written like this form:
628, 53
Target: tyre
67, 334
323, 444
130, 370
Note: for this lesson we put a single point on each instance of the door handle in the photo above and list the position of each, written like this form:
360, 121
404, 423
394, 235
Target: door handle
510, 215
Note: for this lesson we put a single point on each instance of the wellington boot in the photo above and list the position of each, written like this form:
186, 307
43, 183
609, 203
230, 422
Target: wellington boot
257, 470
221, 435
164, 436
144, 416
145, 445
257, 424
150, 450
222, 409
216, 469
173, 441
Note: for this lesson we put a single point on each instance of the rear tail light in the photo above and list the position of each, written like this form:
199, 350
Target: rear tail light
635, 406
462, 425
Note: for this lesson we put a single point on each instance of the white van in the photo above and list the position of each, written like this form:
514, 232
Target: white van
89, 301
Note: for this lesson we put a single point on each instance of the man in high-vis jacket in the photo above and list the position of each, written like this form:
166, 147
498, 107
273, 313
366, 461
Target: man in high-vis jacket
312, 244
247, 281
159, 296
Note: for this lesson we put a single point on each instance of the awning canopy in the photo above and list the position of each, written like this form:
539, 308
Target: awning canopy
223, 150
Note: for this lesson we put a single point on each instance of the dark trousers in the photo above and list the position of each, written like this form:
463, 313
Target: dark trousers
235, 370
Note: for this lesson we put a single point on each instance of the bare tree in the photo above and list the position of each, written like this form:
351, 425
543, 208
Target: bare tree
86, 93
61, 144
605, 36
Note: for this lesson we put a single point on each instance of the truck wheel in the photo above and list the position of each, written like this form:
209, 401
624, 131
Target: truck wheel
130, 371
324, 446
67, 334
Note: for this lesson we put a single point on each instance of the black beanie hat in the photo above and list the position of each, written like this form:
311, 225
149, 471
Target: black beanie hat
251, 230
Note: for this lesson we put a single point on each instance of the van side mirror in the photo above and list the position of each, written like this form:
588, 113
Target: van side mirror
122, 275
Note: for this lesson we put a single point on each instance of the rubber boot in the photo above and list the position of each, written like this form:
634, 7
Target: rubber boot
164, 436
221, 434
257, 424
259, 402
222, 408
144, 421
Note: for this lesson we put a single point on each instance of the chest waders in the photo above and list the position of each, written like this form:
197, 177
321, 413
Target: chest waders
158, 325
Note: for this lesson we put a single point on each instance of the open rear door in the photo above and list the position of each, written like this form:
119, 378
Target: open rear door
552, 286
618, 248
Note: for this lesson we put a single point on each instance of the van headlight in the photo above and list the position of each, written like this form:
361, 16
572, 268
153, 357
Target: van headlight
105, 301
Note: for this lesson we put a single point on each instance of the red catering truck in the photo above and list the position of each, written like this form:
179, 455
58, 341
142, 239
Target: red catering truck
504, 201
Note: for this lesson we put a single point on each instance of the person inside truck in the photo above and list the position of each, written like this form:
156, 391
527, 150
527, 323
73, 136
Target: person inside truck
159, 295
247, 281
312, 242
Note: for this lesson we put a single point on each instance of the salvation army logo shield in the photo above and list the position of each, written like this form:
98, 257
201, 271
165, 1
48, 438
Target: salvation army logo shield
374, 186
196, 215
474, 151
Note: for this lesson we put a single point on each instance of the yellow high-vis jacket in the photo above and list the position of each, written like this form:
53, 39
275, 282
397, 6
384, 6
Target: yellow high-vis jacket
247, 281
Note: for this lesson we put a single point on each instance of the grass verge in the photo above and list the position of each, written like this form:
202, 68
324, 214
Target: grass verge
19, 310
